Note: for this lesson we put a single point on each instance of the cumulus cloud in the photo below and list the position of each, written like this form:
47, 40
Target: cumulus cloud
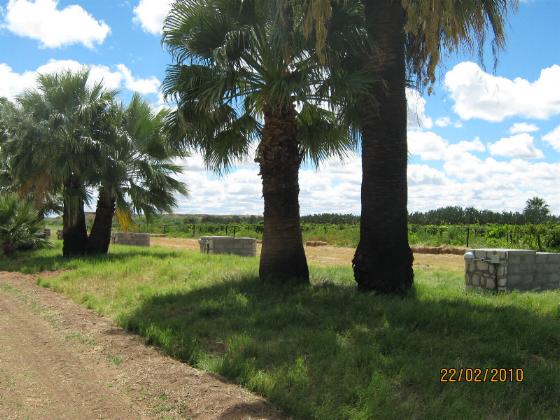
478, 94
464, 180
52, 26
431, 146
13, 83
443, 122
142, 86
150, 14
517, 146
417, 117
427, 144
553, 138
523, 128
423, 175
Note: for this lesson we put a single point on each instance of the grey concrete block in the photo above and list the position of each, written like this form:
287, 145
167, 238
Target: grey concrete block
228, 245
131, 239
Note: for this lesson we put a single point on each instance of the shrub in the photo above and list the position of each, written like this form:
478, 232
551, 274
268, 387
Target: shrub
20, 226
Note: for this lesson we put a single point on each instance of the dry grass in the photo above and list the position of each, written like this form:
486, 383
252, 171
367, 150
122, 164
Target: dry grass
331, 255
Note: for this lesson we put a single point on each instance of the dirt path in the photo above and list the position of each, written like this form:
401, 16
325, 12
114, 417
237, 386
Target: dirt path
60, 361
331, 255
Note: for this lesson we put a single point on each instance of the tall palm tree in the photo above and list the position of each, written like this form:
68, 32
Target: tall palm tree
409, 38
53, 146
136, 174
242, 75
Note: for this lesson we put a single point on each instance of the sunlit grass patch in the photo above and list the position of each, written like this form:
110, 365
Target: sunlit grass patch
325, 350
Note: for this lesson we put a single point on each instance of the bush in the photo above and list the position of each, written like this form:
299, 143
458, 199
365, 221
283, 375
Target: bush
20, 225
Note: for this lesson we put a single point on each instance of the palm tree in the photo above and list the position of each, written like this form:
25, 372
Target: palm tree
53, 145
136, 175
408, 39
20, 226
242, 75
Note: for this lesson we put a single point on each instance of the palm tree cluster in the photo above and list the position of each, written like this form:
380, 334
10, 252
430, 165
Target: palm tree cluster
279, 81
306, 79
69, 138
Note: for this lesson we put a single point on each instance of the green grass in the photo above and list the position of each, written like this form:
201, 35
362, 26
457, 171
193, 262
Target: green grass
325, 351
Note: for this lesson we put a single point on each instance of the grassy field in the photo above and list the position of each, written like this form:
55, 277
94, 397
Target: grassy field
325, 351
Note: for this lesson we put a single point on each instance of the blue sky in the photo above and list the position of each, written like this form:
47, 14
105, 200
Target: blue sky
486, 138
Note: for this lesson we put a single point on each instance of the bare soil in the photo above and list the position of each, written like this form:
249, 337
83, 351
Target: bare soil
59, 360
331, 255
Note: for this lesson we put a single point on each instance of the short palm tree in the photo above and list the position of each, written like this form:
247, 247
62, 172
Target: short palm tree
20, 225
53, 145
136, 174
408, 39
241, 75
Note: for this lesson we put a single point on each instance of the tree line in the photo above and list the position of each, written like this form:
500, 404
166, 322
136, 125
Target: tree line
300, 81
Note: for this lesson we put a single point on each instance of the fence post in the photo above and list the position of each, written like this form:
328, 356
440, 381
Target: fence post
468, 235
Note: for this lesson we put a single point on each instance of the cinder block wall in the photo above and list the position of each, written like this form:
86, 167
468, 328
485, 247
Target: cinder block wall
134, 239
547, 270
514, 270
246, 247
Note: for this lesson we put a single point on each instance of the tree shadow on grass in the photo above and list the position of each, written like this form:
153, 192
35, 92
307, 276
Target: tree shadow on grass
34, 262
329, 352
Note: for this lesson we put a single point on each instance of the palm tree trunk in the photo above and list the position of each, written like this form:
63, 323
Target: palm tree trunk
74, 232
282, 257
383, 260
100, 236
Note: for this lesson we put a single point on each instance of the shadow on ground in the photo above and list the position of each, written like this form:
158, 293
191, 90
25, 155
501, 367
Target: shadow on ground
52, 260
326, 351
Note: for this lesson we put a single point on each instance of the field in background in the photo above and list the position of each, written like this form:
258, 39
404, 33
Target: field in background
325, 350
523, 236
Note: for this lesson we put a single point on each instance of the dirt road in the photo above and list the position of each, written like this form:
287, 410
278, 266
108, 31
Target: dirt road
60, 361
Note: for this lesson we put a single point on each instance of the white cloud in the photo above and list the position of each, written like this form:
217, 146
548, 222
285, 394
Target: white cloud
150, 14
465, 180
142, 86
42, 20
416, 106
425, 175
12, 83
443, 121
517, 146
553, 138
426, 144
478, 94
431, 146
523, 128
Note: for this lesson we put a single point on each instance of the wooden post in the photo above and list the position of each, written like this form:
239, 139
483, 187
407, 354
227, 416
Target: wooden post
468, 235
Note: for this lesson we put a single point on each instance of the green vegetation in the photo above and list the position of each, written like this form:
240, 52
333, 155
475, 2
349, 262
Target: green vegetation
240, 70
516, 236
400, 44
68, 138
324, 350
20, 225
